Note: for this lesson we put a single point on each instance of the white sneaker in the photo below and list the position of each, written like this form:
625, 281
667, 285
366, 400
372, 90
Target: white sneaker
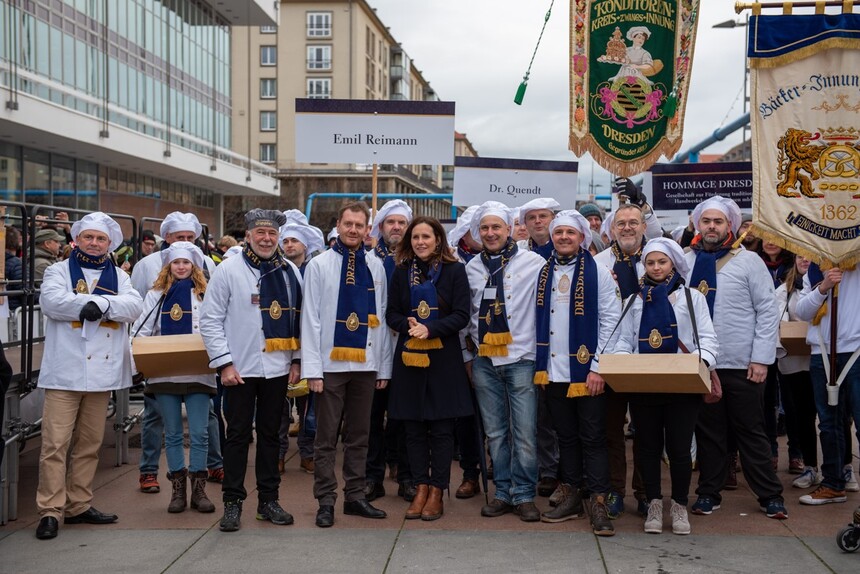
680, 522
654, 520
809, 478
850, 478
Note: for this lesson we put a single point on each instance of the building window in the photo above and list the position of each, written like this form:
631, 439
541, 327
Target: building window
319, 88
268, 88
268, 153
319, 57
319, 24
268, 29
268, 55
268, 121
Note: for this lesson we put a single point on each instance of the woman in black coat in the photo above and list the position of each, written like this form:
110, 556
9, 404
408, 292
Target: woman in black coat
428, 304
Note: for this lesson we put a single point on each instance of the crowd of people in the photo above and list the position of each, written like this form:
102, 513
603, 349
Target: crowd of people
413, 346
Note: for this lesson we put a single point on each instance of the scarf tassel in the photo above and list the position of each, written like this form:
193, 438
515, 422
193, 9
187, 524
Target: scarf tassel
414, 344
108, 324
348, 354
372, 321
575, 390
819, 315
486, 350
291, 344
541, 378
416, 359
498, 339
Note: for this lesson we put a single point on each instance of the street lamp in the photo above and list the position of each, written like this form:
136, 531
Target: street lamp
742, 24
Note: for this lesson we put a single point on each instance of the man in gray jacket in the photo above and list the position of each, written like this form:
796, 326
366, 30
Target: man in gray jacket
740, 298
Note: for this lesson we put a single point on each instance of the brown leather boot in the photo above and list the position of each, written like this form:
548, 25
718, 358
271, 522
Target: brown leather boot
179, 496
468, 488
414, 510
433, 508
199, 500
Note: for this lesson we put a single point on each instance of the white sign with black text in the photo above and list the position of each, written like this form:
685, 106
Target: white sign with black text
513, 181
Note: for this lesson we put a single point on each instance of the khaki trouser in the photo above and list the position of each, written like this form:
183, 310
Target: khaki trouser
76, 418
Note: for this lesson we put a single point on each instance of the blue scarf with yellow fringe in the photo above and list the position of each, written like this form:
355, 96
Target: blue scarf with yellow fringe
387, 258
583, 325
176, 312
107, 284
544, 250
704, 275
356, 305
494, 335
281, 317
658, 328
425, 310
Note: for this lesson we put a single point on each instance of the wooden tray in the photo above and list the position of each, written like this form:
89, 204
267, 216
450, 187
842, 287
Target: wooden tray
656, 373
170, 355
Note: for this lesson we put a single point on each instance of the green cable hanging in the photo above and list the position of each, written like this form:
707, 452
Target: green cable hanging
521, 91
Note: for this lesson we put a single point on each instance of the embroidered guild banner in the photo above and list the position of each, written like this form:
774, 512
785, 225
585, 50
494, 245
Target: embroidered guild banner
630, 68
805, 137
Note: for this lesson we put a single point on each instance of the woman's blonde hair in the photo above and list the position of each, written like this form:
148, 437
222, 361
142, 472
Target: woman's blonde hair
165, 280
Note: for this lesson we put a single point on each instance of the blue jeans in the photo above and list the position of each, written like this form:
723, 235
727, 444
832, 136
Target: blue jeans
508, 402
197, 408
152, 429
832, 420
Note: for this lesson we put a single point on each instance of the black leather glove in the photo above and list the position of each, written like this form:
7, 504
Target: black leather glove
627, 188
91, 312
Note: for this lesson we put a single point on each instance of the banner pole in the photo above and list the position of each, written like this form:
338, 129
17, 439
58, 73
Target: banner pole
833, 334
373, 189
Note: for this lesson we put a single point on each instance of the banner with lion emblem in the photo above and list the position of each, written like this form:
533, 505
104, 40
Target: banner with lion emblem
630, 68
806, 134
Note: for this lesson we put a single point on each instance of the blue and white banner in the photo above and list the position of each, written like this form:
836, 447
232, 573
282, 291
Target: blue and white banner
374, 131
805, 136
513, 181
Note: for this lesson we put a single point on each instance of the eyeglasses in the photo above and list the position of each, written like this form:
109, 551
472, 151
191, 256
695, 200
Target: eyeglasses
632, 224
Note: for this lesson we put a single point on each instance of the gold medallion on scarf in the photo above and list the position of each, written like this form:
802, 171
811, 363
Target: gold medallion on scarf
655, 339
423, 310
564, 284
497, 308
703, 287
275, 311
176, 312
352, 322
582, 355
81, 287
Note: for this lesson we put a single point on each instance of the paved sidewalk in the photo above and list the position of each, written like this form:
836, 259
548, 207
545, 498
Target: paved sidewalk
737, 538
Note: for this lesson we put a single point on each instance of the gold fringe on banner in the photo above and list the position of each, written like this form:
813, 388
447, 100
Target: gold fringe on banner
575, 390
541, 378
348, 354
617, 166
415, 359
291, 344
805, 52
846, 263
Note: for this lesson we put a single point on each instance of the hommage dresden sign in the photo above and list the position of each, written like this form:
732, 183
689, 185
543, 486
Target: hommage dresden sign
630, 69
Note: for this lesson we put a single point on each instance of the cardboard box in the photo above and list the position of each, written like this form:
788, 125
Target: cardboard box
792, 335
656, 373
170, 355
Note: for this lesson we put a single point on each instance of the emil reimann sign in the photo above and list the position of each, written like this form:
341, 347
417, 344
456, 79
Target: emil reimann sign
374, 131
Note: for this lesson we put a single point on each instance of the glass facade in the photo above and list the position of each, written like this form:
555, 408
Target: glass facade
160, 67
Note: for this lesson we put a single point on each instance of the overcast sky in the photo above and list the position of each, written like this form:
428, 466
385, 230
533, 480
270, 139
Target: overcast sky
475, 52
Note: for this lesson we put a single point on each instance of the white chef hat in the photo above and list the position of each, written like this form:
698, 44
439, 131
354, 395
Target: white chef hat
332, 234
728, 207
573, 218
182, 250
631, 33
178, 221
671, 249
487, 208
295, 216
393, 207
235, 250
310, 236
539, 203
606, 226
678, 232
98, 221
462, 226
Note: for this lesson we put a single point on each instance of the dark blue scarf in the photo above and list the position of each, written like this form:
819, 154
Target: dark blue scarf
176, 309
704, 275
625, 269
463, 251
387, 258
494, 335
658, 327
424, 308
107, 284
356, 305
544, 251
583, 327
281, 317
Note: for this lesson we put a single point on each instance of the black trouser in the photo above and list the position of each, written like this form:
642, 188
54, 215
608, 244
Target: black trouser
771, 407
741, 409
798, 400
387, 442
466, 431
580, 425
616, 412
265, 397
430, 445
670, 420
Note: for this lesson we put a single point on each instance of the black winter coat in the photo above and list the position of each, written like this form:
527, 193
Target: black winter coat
440, 391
